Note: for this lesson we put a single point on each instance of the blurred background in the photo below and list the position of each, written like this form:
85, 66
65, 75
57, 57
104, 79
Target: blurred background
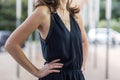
101, 19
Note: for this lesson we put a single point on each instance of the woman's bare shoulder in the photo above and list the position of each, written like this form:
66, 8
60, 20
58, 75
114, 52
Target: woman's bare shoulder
42, 11
28, 26
77, 17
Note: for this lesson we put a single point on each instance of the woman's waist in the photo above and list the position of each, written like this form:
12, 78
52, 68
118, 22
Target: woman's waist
67, 66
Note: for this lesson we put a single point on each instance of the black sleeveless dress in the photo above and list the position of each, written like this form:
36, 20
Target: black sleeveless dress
66, 45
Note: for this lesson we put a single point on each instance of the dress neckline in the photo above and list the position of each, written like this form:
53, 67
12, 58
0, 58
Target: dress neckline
64, 23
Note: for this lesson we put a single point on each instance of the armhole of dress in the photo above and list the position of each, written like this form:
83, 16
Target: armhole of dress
49, 32
77, 23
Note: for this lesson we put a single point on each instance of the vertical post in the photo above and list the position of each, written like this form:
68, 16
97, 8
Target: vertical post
18, 22
96, 10
30, 9
91, 24
18, 12
36, 44
108, 17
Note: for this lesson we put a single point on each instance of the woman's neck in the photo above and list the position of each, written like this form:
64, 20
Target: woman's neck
63, 4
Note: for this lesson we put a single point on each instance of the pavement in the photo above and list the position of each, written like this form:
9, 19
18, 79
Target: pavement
95, 67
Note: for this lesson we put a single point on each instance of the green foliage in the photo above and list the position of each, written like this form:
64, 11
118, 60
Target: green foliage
115, 9
24, 10
102, 24
8, 14
114, 24
102, 10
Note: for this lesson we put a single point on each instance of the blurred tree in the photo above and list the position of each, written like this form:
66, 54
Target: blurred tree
115, 9
115, 25
115, 20
8, 14
24, 9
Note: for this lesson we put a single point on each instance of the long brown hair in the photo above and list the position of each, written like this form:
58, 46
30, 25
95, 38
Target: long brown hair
54, 4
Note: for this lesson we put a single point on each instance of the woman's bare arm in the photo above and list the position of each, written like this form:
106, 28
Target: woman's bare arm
84, 39
17, 38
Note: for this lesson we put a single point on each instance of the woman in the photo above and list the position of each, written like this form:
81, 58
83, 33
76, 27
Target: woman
63, 40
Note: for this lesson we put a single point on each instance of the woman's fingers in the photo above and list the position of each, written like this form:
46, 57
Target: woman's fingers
57, 64
54, 65
50, 68
54, 71
83, 70
54, 61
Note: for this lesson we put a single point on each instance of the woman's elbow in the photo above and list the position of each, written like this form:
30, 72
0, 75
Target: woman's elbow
9, 46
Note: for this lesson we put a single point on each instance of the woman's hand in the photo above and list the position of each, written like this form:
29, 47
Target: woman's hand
49, 68
83, 69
